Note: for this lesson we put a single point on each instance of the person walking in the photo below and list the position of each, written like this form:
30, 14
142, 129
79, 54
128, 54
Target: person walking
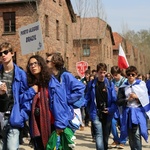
84, 110
15, 109
45, 115
118, 80
101, 98
133, 96
73, 88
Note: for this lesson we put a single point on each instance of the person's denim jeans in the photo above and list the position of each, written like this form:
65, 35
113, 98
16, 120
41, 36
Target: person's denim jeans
102, 131
106, 131
99, 134
135, 138
10, 140
115, 133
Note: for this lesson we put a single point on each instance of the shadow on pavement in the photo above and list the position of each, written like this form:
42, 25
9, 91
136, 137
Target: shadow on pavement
86, 140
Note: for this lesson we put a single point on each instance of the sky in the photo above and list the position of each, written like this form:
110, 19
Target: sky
122, 14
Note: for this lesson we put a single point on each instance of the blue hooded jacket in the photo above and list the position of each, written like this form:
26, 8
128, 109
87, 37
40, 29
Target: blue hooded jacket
63, 95
148, 87
22, 102
135, 115
90, 96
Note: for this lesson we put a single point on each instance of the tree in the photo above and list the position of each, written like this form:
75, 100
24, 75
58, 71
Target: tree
140, 40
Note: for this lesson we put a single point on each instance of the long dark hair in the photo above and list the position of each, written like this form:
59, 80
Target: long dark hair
44, 75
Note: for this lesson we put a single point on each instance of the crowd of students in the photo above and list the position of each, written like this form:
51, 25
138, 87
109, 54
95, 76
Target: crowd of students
44, 95
47, 96
119, 101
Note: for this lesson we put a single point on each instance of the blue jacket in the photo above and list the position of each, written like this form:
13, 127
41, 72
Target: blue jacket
21, 107
138, 117
62, 95
135, 115
90, 96
148, 87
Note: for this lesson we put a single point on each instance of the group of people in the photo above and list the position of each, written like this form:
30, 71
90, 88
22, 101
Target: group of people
46, 93
115, 100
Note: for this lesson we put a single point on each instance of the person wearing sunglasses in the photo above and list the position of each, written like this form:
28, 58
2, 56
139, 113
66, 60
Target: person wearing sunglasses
15, 110
133, 96
73, 88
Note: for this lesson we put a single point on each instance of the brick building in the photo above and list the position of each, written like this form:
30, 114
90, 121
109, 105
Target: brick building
92, 42
56, 18
87, 39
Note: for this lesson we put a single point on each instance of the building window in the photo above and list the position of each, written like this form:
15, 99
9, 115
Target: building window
110, 53
66, 33
86, 50
104, 50
107, 52
9, 22
46, 26
57, 29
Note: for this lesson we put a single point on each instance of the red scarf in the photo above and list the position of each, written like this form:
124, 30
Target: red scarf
41, 124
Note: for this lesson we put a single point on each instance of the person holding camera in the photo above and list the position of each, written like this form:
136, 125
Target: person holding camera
14, 110
101, 98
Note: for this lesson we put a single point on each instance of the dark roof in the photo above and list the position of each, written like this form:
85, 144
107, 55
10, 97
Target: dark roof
118, 39
73, 16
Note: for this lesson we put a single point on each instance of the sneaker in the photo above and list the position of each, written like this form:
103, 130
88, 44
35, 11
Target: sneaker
114, 144
121, 146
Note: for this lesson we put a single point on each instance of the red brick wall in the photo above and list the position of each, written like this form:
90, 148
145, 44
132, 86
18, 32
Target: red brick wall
23, 17
27, 14
98, 54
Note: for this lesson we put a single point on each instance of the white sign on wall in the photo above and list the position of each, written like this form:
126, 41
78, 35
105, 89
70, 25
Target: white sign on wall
31, 38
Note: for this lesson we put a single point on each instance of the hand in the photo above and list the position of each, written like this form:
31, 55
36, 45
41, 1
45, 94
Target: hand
105, 111
133, 95
36, 88
116, 89
59, 131
3, 88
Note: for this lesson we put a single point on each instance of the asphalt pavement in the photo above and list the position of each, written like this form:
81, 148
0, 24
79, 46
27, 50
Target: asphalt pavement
84, 142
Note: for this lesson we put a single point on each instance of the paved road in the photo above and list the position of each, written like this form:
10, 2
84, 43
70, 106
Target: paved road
84, 142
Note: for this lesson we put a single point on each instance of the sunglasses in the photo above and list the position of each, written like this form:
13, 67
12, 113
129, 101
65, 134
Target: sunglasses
131, 74
5, 52
48, 61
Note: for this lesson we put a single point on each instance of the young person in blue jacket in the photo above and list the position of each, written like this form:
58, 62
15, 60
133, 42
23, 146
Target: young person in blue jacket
101, 98
15, 109
73, 88
50, 110
118, 80
133, 96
